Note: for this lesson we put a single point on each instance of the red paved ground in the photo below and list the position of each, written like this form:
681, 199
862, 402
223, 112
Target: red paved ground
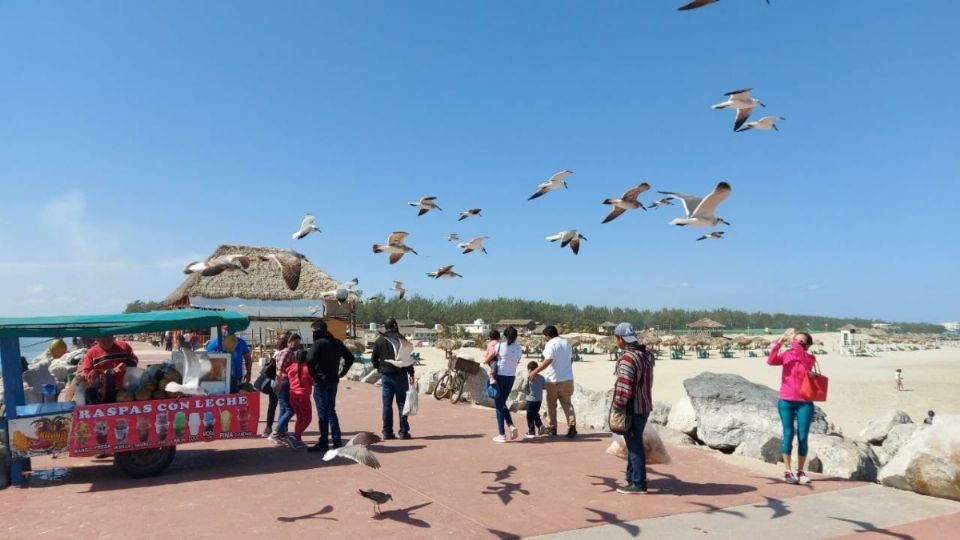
451, 480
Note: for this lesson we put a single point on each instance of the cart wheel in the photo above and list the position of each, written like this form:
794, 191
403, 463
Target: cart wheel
444, 387
457, 389
145, 463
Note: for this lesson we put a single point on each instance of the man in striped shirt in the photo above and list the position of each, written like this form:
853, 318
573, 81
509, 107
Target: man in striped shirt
632, 392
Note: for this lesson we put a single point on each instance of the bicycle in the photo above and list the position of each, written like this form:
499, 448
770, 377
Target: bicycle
452, 382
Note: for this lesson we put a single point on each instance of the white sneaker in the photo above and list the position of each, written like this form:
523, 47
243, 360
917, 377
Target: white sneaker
802, 478
529, 436
499, 438
513, 432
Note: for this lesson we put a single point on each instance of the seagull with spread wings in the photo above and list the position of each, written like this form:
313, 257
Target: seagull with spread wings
219, 265
571, 238
475, 244
444, 272
764, 124
289, 263
425, 205
395, 246
557, 181
740, 101
398, 287
343, 291
473, 212
701, 212
306, 227
627, 201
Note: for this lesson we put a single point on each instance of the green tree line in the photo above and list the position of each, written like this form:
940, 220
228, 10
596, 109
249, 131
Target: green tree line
452, 311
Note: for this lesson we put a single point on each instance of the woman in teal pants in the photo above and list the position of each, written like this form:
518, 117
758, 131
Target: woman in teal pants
794, 409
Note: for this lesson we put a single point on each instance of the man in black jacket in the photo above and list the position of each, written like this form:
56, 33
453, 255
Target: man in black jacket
323, 361
394, 381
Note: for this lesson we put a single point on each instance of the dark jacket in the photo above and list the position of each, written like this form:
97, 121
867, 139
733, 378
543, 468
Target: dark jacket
323, 361
383, 350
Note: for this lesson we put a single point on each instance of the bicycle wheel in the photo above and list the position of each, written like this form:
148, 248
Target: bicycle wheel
457, 390
444, 387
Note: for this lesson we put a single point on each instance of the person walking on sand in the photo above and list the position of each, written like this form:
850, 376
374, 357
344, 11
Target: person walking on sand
793, 408
507, 356
557, 369
898, 379
633, 392
394, 381
326, 369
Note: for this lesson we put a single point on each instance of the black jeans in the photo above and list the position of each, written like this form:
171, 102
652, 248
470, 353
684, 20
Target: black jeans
533, 416
271, 408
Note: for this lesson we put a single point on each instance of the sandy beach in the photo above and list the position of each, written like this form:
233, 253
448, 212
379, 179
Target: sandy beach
861, 388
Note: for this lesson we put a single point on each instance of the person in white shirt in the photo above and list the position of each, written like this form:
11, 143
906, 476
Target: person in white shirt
507, 357
557, 368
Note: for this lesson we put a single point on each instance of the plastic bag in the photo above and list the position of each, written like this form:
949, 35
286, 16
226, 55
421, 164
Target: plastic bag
653, 447
411, 406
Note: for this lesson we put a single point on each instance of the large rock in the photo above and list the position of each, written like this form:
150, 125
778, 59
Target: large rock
358, 371
683, 417
729, 408
930, 461
842, 458
896, 439
661, 413
372, 377
66, 364
428, 380
673, 437
765, 447
876, 431
39, 372
591, 406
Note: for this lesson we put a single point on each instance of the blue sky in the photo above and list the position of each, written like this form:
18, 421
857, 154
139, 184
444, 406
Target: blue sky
137, 137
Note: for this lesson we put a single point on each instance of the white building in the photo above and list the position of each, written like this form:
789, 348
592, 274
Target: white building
476, 328
952, 326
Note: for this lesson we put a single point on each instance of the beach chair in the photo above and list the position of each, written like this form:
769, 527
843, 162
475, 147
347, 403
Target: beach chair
726, 354
675, 355
752, 354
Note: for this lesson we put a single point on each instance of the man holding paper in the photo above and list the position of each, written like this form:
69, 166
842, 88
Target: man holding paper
391, 357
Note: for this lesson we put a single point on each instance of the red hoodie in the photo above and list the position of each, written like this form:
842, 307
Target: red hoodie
796, 363
298, 375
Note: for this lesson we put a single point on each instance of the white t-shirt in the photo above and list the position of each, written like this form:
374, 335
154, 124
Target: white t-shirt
509, 357
561, 369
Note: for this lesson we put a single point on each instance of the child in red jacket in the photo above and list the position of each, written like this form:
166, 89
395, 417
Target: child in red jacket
301, 387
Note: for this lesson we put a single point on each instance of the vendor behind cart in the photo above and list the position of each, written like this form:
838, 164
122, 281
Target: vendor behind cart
241, 363
104, 367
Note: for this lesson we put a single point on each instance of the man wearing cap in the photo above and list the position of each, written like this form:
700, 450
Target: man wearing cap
557, 369
633, 393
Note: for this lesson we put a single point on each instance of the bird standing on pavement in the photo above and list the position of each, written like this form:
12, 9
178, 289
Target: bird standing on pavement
378, 498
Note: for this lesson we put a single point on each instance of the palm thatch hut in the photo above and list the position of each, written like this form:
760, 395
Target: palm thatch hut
262, 295
707, 326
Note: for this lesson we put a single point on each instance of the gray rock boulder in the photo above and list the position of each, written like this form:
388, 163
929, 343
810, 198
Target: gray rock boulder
842, 458
898, 436
765, 447
591, 406
358, 371
428, 380
683, 417
876, 431
930, 461
729, 408
372, 377
672, 436
661, 413
66, 364
39, 372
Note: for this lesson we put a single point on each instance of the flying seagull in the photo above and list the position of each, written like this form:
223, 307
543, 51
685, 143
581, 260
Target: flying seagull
473, 212
764, 124
571, 237
343, 291
699, 4
394, 246
556, 181
218, 265
700, 212
445, 272
306, 227
289, 263
364, 438
398, 286
742, 102
356, 452
627, 201
425, 205
716, 235
454, 237
194, 368
666, 201
377, 497
474, 245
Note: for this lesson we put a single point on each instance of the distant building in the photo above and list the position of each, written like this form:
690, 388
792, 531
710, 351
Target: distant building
952, 326
606, 328
476, 328
412, 330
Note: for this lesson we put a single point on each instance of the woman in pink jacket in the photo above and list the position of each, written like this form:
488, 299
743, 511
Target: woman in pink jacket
796, 362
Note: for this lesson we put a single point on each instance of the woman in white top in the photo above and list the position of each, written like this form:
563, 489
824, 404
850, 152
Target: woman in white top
508, 356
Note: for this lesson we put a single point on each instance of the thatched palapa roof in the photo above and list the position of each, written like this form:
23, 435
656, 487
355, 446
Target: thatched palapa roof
705, 323
262, 281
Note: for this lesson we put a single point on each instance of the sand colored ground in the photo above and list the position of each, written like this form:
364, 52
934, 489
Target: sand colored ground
861, 388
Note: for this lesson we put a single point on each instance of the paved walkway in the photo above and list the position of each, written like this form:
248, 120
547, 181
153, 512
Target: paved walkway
449, 481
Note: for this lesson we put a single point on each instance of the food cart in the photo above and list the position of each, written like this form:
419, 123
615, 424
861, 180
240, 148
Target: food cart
141, 429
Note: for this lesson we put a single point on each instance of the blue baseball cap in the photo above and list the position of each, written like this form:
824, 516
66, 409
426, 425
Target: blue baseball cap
625, 330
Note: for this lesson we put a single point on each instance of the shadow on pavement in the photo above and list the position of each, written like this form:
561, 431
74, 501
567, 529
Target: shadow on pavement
449, 437
316, 515
506, 491
504, 535
670, 484
866, 526
405, 516
779, 507
605, 481
381, 449
713, 509
612, 519
502, 474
